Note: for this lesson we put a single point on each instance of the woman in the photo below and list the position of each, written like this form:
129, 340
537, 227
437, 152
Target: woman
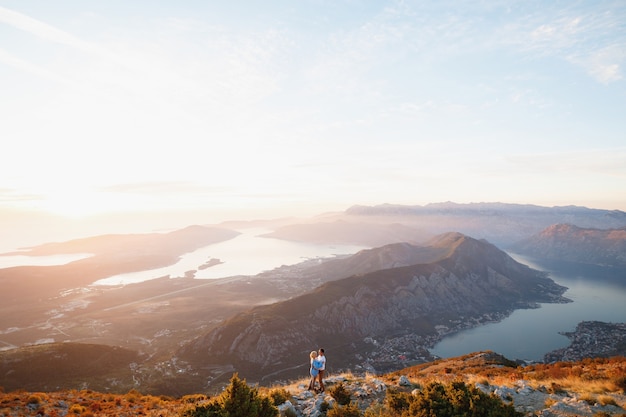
314, 371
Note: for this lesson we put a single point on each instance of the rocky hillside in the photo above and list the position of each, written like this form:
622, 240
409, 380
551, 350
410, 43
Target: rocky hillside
311, 275
566, 242
368, 320
586, 389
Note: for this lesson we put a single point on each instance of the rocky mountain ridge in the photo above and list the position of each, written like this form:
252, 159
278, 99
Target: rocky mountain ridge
474, 281
154, 319
499, 223
567, 242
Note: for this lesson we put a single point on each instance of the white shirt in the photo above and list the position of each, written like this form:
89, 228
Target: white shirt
322, 360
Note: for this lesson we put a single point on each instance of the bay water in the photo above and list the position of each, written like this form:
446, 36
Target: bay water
597, 293
246, 254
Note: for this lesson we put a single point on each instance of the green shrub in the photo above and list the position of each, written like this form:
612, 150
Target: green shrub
340, 394
237, 400
348, 410
449, 400
279, 396
193, 398
397, 401
375, 409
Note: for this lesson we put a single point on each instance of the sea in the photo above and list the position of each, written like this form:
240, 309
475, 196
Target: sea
597, 293
249, 253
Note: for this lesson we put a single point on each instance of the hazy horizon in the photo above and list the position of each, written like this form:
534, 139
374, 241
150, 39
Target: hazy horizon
25, 228
264, 110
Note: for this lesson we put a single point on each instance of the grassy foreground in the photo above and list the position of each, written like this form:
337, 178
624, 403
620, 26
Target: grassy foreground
595, 381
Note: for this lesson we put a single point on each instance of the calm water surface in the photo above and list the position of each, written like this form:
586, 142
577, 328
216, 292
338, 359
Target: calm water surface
246, 254
597, 293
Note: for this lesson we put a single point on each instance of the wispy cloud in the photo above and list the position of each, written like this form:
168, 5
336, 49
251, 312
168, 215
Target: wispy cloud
605, 64
43, 30
576, 34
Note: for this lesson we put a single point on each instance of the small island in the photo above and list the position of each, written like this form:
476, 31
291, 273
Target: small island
211, 262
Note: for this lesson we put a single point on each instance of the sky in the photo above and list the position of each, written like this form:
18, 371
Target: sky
307, 106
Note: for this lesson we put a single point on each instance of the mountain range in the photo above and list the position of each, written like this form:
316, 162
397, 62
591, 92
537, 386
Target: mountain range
423, 277
461, 280
567, 242
499, 223
387, 298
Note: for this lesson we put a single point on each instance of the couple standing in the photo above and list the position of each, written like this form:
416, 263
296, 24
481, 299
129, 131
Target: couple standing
318, 366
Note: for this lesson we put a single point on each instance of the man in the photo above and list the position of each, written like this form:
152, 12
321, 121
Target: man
322, 360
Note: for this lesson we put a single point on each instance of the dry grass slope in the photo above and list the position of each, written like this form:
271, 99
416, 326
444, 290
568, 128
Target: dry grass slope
599, 383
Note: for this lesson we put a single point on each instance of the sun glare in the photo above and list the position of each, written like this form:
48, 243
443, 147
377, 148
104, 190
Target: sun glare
81, 205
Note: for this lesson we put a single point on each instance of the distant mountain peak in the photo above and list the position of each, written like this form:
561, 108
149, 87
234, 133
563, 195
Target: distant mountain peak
567, 242
450, 239
500, 223
462, 278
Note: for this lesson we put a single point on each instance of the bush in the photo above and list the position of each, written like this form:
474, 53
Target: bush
34, 399
397, 401
193, 398
279, 396
450, 400
349, 410
340, 394
239, 400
